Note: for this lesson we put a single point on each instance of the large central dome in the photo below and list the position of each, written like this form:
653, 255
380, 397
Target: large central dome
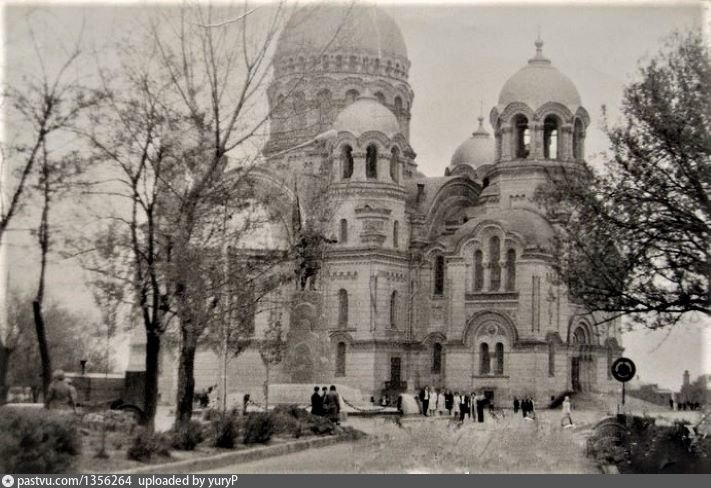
354, 29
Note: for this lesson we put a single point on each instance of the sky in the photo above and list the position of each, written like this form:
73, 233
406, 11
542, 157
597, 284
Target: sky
461, 53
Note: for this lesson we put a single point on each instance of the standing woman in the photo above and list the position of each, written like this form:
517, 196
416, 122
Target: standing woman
434, 397
457, 401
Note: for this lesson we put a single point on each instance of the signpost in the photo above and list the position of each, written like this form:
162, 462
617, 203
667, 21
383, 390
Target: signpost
623, 370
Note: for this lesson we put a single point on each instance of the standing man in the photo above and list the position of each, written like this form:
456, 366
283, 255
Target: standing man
333, 405
448, 402
480, 399
515, 405
463, 406
316, 402
425, 400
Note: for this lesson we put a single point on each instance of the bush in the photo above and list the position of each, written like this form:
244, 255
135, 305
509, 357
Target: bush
145, 444
258, 428
187, 439
226, 430
37, 441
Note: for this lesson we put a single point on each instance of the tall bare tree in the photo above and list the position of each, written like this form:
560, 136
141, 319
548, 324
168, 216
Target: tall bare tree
43, 110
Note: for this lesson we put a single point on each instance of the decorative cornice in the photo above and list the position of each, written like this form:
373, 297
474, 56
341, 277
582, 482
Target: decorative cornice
511, 296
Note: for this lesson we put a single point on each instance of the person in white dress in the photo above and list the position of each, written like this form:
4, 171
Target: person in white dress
457, 401
432, 407
566, 412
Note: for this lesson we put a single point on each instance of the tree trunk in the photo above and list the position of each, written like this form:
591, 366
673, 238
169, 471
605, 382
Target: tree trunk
150, 398
4, 363
186, 379
266, 388
43, 346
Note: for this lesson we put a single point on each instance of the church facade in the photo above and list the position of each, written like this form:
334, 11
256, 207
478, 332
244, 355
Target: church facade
445, 281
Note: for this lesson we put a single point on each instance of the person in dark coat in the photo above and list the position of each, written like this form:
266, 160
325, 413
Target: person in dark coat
448, 401
425, 398
464, 406
516, 405
332, 405
316, 402
480, 400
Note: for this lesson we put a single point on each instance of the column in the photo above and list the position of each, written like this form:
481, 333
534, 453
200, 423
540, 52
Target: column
506, 143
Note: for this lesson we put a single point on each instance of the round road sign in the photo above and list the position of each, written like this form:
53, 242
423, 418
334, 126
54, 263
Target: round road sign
623, 369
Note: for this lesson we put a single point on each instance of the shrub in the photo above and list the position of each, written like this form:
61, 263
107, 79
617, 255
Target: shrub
258, 428
37, 441
145, 444
286, 424
226, 430
187, 439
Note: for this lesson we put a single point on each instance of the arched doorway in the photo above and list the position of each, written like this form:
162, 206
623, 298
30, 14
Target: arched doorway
582, 361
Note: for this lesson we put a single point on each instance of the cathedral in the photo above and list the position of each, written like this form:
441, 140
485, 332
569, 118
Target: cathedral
444, 281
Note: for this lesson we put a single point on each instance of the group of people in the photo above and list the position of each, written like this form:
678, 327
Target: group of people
526, 405
326, 403
433, 401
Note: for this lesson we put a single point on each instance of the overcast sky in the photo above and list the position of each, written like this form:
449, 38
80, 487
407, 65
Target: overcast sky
461, 56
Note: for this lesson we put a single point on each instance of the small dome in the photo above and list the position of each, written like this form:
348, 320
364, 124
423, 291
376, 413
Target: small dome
358, 28
475, 151
367, 114
539, 82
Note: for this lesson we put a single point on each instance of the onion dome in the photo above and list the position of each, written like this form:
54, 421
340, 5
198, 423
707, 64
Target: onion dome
367, 114
476, 151
539, 82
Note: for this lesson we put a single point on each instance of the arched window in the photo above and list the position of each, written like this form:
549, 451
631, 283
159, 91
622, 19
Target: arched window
394, 164
579, 336
351, 96
341, 359
343, 232
325, 61
484, 359
396, 232
339, 61
478, 270
324, 109
371, 161
347, 162
578, 139
499, 359
352, 63
510, 270
522, 136
437, 358
439, 275
550, 137
380, 97
393, 310
494, 256
551, 359
342, 308
398, 106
